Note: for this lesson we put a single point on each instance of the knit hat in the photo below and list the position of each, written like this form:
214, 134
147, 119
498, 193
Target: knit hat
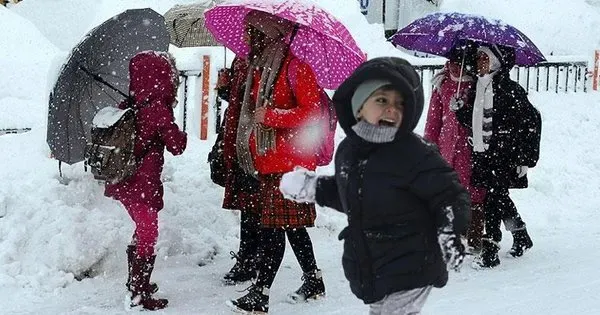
363, 91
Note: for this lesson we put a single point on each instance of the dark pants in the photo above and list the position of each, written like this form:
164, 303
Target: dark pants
499, 207
249, 235
273, 248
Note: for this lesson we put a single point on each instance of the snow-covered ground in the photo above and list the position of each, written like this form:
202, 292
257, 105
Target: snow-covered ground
54, 231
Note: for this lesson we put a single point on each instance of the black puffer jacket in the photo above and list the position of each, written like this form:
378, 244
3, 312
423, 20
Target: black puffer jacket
394, 195
516, 132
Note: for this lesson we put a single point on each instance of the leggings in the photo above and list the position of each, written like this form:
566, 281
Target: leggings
273, 246
146, 228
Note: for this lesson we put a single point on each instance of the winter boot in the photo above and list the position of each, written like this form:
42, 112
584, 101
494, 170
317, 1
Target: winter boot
141, 291
475, 231
255, 302
521, 243
243, 270
130, 258
489, 254
313, 288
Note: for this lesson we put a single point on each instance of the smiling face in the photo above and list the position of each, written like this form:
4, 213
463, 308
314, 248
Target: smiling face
385, 107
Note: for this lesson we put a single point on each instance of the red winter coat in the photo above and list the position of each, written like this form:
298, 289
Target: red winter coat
153, 86
294, 109
443, 129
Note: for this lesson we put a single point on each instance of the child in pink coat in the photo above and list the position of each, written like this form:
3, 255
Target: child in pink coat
455, 84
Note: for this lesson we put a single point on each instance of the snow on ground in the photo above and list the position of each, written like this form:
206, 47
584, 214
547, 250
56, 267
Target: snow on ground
55, 230
52, 231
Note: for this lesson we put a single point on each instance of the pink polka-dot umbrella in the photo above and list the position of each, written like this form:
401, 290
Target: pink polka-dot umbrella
321, 41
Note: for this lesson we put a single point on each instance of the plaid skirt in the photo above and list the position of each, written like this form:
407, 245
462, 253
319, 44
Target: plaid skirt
241, 192
278, 212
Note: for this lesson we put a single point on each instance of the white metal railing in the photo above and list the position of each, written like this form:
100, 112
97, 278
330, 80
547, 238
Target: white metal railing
558, 74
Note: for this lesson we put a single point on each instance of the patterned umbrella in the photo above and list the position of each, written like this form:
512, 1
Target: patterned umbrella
437, 33
185, 24
322, 42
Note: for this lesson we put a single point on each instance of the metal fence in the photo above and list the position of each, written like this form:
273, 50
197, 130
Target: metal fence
558, 77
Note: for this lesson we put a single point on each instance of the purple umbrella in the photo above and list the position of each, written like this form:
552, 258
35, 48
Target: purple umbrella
437, 33
321, 41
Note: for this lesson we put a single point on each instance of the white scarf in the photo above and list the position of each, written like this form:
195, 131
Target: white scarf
484, 102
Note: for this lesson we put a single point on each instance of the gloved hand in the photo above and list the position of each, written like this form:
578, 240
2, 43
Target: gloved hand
453, 250
299, 185
456, 103
522, 170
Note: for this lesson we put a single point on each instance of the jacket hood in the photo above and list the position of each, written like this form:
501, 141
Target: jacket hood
506, 55
153, 76
403, 77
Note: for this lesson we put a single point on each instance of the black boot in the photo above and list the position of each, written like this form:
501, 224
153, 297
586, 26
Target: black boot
243, 270
489, 254
255, 302
521, 243
313, 288
130, 258
141, 294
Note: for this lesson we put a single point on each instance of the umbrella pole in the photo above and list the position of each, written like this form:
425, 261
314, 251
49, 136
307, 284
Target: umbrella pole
101, 80
185, 91
462, 64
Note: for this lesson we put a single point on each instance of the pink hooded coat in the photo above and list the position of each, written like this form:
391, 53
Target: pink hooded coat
153, 85
443, 129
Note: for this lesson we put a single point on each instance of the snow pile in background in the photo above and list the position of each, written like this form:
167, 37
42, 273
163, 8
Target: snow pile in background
25, 64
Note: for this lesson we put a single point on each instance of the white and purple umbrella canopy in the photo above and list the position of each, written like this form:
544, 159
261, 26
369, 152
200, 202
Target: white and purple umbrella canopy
321, 41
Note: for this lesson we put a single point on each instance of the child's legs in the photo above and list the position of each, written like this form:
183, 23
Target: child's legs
493, 214
510, 216
249, 234
409, 302
303, 248
273, 249
146, 227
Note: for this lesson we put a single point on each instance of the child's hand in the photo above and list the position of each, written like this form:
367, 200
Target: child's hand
456, 104
453, 250
299, 185
259, 115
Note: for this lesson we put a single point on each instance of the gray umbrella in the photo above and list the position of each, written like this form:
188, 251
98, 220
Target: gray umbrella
96, 75
185, 24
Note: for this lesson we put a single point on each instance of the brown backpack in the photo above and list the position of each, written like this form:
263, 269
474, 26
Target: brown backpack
110, 153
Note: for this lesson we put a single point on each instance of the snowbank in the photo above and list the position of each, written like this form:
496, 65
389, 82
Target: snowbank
25, 64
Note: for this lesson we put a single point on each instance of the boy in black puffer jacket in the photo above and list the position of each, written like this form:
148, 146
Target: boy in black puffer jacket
406, 208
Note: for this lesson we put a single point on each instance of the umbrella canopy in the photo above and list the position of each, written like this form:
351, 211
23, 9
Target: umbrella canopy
96, 75
185, 24
437, 33
321, 41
